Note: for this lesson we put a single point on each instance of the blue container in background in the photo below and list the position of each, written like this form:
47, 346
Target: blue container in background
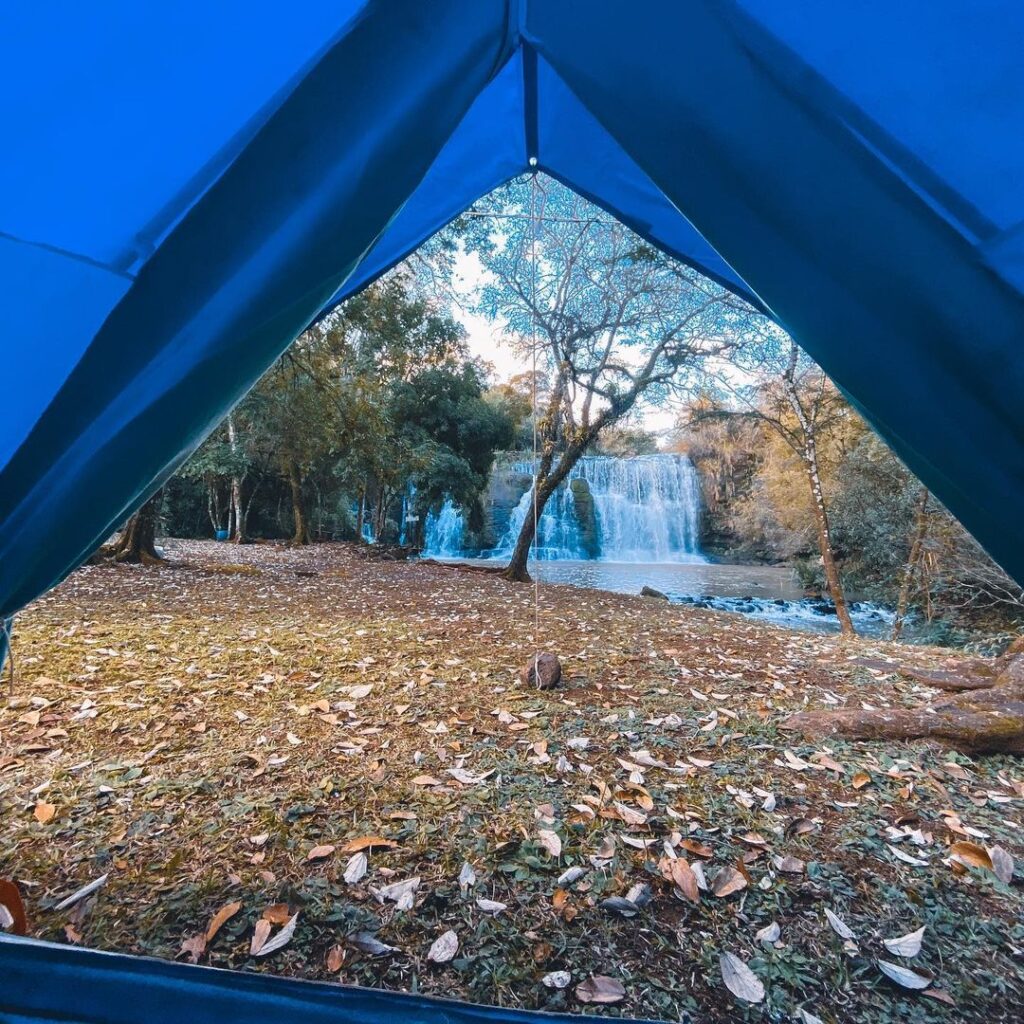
222, 535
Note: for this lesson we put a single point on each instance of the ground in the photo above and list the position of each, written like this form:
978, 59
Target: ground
216, 732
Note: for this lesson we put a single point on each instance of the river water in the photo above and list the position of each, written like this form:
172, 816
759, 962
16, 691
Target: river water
768, 593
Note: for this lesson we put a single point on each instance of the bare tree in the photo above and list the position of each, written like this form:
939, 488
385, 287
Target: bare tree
792, 395
609, 322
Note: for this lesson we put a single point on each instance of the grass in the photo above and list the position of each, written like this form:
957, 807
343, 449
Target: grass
199, 728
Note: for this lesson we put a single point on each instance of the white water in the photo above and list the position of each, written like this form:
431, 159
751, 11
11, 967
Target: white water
646, 510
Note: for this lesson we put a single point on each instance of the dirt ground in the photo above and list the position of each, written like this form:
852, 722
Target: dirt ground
337, 756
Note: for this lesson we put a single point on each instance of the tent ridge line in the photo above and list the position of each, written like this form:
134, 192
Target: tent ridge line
68, 254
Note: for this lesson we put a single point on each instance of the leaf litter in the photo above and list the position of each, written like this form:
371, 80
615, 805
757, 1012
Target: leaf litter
199, 734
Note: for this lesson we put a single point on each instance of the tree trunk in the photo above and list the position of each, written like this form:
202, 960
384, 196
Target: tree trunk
913, 558
546, 483
301, 534
137, 543
238, 511
828, 560
361, 517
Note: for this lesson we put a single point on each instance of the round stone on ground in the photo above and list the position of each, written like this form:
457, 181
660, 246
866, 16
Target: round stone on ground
543, 672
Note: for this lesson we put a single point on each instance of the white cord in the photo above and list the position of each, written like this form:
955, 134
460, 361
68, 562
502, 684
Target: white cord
533, 351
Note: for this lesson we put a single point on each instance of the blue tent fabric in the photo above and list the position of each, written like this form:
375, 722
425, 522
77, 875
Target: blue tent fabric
184, 187
186, 192
47, 982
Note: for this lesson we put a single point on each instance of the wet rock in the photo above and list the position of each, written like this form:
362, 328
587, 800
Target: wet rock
543, 672
651, 592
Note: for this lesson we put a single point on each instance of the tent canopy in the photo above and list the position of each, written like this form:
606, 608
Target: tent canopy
185, 187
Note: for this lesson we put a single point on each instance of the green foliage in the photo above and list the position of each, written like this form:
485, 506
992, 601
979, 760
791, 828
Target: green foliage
377, 399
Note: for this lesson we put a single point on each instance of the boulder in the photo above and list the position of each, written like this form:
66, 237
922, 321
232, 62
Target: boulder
651, 592
542, 672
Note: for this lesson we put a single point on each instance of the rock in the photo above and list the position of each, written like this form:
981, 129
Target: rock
651, 592
543, 672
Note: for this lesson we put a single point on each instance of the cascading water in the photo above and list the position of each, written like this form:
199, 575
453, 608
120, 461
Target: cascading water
444, 532
644, 509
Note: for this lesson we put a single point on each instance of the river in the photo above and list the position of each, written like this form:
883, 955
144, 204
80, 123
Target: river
769, 593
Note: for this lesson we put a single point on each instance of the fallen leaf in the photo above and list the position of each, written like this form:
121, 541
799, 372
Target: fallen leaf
621, 906
260, 935
280, 940
769, 933
195, 946
367, 942
467, 876
356, 867
790, 865
740, 980
682, 874
217, 921
860, 780
277, 913
491, 906
335, 959
727, 881
12, 909
444, 948
839, 926
426, 780
971, 854
906, 945
366, 843
44, 812
550, 841
557, 979
1002, 864
320, 852
903, 975
599, 988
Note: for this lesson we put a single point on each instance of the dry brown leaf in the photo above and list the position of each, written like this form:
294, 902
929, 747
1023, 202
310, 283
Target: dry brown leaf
44, 812
426, 780
320, 852
10, 900
860, 780
727, 881
599, 988
276, 913
223, 915
366, 842
195, 946
684, 878
260, 935
971, 854
335, 958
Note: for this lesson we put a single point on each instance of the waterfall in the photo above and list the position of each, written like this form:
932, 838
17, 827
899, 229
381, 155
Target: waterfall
444, 532
644, 509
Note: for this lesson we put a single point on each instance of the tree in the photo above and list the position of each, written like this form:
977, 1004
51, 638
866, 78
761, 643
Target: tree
137, 543
608, 321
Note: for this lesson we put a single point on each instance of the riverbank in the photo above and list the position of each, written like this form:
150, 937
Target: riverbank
219, 731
